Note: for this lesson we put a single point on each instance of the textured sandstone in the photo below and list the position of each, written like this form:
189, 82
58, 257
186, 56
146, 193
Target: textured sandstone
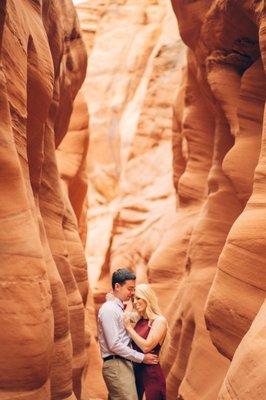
43, 63
228, 317
217, 144
72, 162
193, 258
241, 239
130, 90
206, 155
225, 57
116, 88
130, 94
246, 377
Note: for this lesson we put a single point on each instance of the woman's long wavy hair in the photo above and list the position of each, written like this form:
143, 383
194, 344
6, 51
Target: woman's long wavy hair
146, 293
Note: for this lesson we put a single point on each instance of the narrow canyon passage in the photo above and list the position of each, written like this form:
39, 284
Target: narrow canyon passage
132, 135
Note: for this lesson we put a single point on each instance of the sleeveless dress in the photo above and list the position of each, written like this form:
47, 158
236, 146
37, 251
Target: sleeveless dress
149, 378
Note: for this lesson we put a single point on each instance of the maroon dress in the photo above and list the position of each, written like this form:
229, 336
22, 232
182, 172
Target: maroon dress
149, 378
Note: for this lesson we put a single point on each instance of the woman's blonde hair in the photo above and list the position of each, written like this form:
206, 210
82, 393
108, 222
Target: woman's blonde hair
145, 292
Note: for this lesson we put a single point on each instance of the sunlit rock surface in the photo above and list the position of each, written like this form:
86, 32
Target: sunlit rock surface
130, 91
199, 237
72, 154
43, 286
130, 88
248, 362
224, 41
176, 170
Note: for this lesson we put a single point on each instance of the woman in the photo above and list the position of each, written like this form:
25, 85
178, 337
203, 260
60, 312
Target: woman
147, 335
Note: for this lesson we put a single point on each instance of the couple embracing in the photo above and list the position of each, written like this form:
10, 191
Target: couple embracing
130, 342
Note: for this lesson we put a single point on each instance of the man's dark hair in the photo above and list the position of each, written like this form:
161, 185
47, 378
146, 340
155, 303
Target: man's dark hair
122, 275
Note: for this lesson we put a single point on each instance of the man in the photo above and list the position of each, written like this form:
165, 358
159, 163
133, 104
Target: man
114, 341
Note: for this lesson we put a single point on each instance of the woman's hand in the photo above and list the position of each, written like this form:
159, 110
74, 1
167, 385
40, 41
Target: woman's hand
127, 323
109, 296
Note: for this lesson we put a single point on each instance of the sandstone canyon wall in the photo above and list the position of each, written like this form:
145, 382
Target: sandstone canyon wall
224, 40
43, 276
71, 155
204, 257
176, 169
130, 90
134, 63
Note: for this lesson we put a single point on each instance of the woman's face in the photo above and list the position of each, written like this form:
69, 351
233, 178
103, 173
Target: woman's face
140, 305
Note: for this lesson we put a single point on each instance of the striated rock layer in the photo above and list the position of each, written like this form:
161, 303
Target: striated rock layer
130, 90
43, 280
246, 375
217, 177
177, 170
229, 228
72, 162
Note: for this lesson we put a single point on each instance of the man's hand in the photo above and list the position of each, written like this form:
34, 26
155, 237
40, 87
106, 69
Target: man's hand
109, 296
127, 322
150, 359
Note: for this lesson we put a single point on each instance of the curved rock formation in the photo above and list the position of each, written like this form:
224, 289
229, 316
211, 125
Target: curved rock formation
193, 257
218, 174
192, 153
238, 51
72, 154
43, 64
248, 362
222, 56
226, 330
130, 134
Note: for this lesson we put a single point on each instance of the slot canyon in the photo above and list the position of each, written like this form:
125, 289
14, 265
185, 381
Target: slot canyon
132, 135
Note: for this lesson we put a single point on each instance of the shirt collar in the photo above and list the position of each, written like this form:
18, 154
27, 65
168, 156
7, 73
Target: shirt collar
119, 303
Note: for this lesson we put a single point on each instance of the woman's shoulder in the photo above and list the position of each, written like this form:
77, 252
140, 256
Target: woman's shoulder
160, 320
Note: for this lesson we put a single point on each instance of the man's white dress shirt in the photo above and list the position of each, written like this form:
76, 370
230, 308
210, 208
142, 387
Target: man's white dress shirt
113, 336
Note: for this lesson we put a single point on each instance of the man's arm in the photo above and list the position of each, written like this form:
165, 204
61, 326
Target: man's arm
156, 334
109, 320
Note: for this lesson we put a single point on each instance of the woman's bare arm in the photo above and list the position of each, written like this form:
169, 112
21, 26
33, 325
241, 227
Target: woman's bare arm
156, 334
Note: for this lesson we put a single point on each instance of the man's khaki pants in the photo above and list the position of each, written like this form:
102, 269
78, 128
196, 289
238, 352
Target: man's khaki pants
119, 377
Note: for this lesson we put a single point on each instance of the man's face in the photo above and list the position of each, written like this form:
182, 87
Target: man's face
125, 292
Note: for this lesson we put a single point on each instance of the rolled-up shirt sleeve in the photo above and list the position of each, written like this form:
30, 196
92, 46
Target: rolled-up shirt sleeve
109, 319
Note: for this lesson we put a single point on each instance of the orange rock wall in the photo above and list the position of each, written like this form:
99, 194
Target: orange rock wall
224, 41
72, 154
43, 285
204, 257
246, 377
130, 91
